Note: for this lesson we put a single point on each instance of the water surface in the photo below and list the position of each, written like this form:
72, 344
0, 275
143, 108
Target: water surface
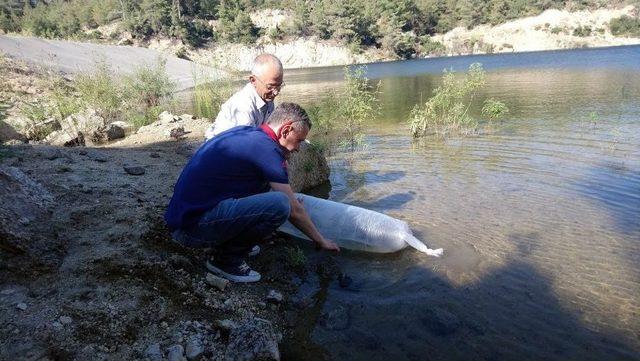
539, 217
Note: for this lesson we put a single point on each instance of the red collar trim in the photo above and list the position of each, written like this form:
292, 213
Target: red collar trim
267, 129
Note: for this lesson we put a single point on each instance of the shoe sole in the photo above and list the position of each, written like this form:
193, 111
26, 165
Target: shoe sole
234, 278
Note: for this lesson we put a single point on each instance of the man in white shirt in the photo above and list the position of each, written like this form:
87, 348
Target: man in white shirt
253, 104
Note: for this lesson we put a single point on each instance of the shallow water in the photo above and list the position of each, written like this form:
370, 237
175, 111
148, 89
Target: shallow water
539, 217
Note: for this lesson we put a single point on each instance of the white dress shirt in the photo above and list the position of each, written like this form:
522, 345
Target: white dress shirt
245, 107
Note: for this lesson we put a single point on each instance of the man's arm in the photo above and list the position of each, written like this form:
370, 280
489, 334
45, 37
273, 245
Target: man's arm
301, 220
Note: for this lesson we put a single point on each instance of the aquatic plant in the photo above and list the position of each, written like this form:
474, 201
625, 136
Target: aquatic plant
338, 119
494, 109
447, 111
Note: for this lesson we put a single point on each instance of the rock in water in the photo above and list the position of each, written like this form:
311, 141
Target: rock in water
307, 168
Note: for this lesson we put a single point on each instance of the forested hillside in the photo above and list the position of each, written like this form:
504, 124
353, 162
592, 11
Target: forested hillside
400, 27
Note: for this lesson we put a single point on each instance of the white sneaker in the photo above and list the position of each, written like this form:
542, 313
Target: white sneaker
240, 273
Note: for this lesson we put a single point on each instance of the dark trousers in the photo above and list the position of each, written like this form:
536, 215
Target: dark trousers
234, 226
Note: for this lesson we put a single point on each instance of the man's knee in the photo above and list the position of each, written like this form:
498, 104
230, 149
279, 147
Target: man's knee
281, 206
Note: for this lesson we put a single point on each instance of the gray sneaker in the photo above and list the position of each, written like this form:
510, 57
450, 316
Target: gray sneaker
240, 272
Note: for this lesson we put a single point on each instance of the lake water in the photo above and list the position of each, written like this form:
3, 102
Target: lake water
539, 217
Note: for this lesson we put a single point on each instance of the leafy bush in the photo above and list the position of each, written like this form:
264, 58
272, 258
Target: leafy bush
149, 85
493, 109
209, 95
448, 110
430, 47
582, 31
338, 119
102, 91
296, 257
556, 30
625, 25
136, 97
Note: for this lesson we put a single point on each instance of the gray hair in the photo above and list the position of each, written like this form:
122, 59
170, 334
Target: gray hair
293, 112
262, 61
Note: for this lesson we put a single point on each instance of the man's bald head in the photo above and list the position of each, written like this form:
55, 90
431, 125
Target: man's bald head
266, 63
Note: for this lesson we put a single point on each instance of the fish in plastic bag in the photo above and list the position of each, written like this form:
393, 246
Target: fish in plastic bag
357, 228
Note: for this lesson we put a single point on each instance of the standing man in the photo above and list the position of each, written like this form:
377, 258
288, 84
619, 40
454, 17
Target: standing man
253, 104
235, 190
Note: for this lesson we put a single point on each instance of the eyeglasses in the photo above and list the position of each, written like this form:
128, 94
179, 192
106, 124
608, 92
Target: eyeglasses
271, 87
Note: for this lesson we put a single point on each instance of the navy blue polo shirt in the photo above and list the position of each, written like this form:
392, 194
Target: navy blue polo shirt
237, 163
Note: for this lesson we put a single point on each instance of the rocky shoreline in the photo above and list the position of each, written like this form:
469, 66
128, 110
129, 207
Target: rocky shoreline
89, 270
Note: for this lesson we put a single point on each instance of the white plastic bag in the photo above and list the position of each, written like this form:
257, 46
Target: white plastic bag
357, 228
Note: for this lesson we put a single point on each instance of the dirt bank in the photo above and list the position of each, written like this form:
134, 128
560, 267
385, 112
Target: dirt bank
88, 270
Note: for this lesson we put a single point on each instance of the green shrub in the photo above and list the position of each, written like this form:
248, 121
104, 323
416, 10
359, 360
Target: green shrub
136, 97
102, 91
296, 257
338, 119
582, 31
39, 123
149, 85
209, 95
625, 25
556, 30
493, 109
447, 111
429, 46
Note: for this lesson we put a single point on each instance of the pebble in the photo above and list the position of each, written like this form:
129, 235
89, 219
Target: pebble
195, 348
225, 324
217, 282
8, 291
154, 155
153, 352
56, 324
275, 296
21, 306
175, 353
65, 320
134, 170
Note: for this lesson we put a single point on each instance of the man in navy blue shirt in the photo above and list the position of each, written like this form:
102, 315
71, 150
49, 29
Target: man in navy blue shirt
235, 191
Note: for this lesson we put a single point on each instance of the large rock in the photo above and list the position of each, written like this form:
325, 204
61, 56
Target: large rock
7, 132
253, 339
87, 126
308, 168
26, 238
62, 138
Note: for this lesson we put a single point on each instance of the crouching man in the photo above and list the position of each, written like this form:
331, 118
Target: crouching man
235, 191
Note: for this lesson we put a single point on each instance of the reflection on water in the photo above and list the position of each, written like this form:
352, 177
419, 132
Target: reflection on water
539, 217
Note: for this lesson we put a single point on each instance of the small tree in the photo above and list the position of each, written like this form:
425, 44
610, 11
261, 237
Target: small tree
448, 110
